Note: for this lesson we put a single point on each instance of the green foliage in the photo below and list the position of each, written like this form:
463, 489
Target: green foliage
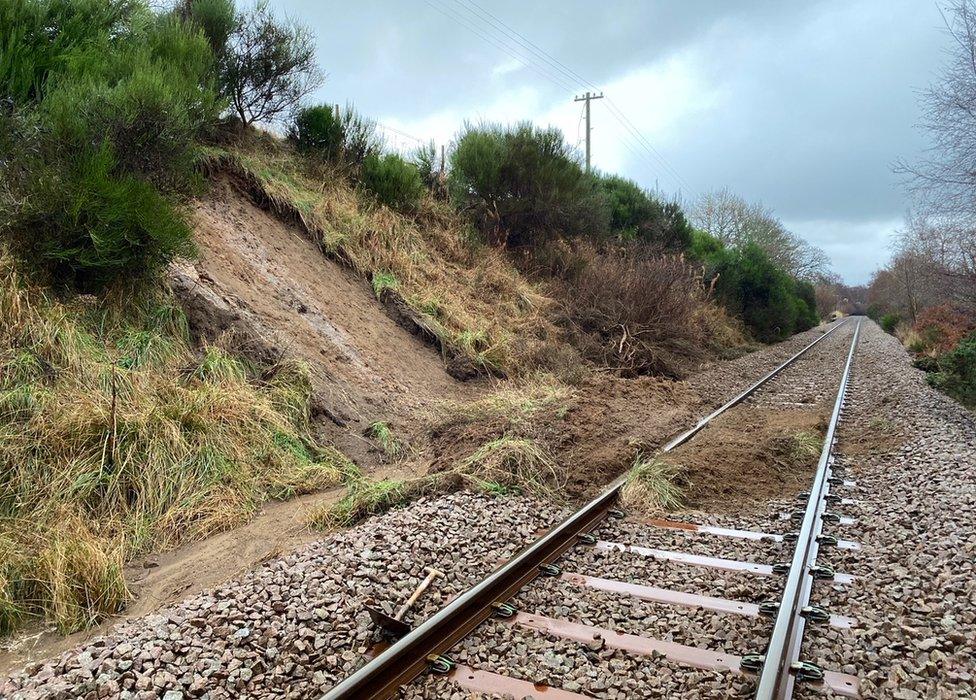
110, 101
218, 19
344, 138
88, 226
269, 66
318, 130
771, 303
41, 38
636, 215
888, 322
395, 182
955, 372
524, 185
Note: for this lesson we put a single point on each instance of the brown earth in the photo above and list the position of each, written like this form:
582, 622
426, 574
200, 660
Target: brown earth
158, 580
268, 290
748, 455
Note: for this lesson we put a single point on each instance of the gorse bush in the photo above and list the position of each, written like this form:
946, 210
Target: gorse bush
344, 138
889, 322
772, 304
955, 371
394, 182
637, 216
88, 226
524, 185
318, 130
110, 101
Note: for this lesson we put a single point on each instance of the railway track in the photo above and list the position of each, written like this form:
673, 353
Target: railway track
774, 667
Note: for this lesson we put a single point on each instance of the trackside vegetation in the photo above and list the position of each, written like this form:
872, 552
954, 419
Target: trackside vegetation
121, 436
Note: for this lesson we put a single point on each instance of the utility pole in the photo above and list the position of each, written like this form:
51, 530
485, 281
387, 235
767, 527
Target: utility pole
586, 98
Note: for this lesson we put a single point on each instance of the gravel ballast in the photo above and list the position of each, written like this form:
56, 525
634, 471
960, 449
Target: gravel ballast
296, 625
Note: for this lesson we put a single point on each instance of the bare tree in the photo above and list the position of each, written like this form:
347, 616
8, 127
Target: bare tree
735, 222
269, 66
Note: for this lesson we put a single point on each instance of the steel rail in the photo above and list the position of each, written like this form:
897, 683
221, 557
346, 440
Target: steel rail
403, 661
777, 676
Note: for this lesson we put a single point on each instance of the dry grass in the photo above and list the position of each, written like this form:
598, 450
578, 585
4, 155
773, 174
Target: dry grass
117, 440
510, 407
653, 486
465, 295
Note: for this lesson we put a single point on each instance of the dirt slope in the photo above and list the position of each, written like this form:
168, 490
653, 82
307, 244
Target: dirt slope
264, 282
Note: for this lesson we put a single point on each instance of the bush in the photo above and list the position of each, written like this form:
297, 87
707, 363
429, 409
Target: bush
956, 373
771, 303
636, 215
317, 130
41, 37
889, 322
346, 139
88, 226
634, 310
524, 185
395, 182
106, 130
941, 328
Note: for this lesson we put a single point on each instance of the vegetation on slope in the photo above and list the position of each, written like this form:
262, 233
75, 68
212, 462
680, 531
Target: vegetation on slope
118, 439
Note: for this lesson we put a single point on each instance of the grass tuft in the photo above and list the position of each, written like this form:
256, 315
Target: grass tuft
514, 465
806, 446
381, 433
653, 485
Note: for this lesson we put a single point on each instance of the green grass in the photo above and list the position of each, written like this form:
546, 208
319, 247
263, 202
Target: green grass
120, 439
383, 435
653, 486
382, 281
806, 446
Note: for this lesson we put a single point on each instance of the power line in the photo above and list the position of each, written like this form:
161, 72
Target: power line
566, 73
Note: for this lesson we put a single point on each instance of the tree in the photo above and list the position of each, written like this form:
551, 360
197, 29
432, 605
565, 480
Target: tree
524, 185
737, 223
269, 66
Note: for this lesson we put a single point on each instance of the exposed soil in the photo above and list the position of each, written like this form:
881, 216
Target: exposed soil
748, 454
265, 284
160, 580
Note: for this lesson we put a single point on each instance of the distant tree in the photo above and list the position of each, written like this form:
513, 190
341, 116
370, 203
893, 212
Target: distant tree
736, 223
269, 66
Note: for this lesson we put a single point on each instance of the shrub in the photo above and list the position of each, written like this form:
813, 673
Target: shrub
395, 182
88, 227
941, 328
636, 215
319, 131
956, 372
524, 185
108, 132
269, 66
635, 311
218, 19
771, 303
889, 322
42, 37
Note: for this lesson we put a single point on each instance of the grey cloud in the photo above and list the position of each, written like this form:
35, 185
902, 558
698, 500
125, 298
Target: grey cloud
819, 97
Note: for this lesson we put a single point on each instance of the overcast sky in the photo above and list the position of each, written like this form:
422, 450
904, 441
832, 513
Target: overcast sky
801, 105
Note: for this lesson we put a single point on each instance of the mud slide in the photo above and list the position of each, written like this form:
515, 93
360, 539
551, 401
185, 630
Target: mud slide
265, 283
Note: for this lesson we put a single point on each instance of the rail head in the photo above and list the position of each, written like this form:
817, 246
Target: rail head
776, 678
407, 658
